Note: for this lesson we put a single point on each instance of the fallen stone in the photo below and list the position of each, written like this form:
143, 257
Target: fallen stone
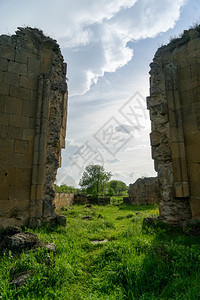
9, 231
51, 247
89, 218
100, 216
61, 220
120, 218
88, 206
191, 226
19, 242
20, 278
129, 216
99, 242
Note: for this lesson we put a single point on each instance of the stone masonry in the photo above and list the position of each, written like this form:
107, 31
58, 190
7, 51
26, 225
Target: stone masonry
33, 111
144, 191
174, 105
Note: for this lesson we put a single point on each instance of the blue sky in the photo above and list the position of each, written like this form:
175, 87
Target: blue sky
108, 46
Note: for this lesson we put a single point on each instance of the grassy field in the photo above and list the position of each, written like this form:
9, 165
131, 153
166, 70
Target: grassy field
131, 263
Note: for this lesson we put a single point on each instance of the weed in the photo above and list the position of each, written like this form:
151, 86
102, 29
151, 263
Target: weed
155, 263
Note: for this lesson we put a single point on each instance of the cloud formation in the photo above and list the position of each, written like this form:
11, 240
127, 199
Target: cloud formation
94, 35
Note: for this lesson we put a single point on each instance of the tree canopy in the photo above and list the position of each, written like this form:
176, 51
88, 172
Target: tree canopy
94, 179
117, 186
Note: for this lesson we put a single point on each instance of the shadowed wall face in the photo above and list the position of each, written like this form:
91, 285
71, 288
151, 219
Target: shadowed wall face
144, 191
174, 105
33, 111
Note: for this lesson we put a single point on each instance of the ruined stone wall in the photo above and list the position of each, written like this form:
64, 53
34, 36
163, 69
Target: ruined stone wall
174, 105
63, 199
144, 191
33, 110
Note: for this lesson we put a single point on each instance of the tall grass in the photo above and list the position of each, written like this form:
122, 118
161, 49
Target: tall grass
134, 263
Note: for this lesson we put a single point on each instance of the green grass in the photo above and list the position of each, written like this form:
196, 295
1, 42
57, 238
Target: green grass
133, 264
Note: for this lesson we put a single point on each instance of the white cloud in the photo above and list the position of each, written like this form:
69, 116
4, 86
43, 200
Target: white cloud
93, 34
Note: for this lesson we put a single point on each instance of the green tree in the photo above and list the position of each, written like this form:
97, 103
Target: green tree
118, 186
110, 192
94, 179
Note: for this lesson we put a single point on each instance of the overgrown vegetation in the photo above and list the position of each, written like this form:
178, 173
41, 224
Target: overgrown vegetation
183, 38
66, 189
133, 264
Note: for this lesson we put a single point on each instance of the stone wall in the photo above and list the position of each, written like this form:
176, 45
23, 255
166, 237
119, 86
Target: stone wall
63, 199
174, 105
66, 199
33, 110
144, 191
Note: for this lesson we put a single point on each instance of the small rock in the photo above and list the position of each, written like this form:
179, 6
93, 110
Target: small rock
51, 247
99, 242
120, 218
129, 216
191, 226
87, 218
20, 278
61, 220
88, 206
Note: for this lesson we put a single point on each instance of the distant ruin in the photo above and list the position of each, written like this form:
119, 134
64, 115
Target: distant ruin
144, 191
174, 105
33, 111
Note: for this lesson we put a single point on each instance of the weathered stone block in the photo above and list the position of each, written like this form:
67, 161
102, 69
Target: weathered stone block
11, 78
21, 146
3, 64
21, 56
4, 119
13, 105
181, 189
12, 132
27, 134
4, 195
9, 159
155, 138
1, 76
6, 145
34, 66
7, 52
29, 83
17, 68
2, 101
4, 88
20, 92
19, 121
194, 189
20, 193
29, 108
193, 153
195, 206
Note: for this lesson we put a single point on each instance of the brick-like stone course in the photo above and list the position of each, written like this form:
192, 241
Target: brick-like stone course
63, 199
33, 111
